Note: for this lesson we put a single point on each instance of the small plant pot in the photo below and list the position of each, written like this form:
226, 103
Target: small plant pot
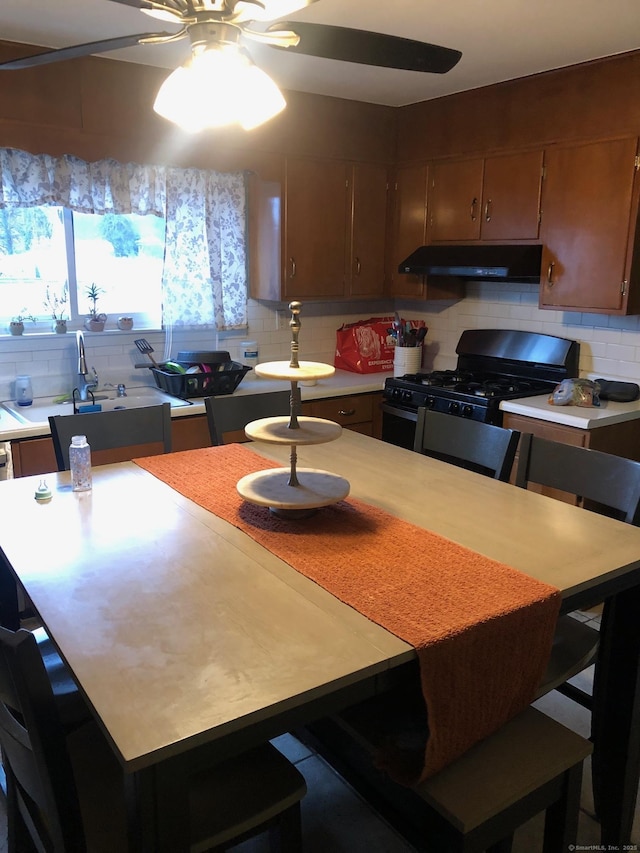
125, 323
60, 327
16, 327
95, 324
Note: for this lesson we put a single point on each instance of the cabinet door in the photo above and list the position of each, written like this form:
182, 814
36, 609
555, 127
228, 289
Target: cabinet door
368, 219
587, 209
511, 197
456, 201
315, 228
190, 433
33, 456
410, 227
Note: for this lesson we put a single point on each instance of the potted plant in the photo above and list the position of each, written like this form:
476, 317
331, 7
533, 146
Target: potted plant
94, 322
16, 325
55, 305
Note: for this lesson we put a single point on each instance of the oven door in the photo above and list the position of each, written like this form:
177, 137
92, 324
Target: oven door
399, 425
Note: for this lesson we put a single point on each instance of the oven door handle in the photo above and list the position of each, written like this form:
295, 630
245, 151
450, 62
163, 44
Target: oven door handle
399, 413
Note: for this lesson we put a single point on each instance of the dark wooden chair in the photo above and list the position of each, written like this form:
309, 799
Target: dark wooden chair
229, 414
480, 447
65, 794
530, 765
603, 483
116, 436
71, 707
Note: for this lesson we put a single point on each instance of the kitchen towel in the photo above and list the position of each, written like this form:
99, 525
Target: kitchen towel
482, 630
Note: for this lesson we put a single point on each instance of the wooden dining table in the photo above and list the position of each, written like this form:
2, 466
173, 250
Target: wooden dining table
192, 642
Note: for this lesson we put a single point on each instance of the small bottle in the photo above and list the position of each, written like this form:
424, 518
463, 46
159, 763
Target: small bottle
80, 463
24, 391
249, 353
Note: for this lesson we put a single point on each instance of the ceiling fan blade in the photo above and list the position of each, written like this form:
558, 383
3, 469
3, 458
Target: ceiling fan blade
78, 50
368, 48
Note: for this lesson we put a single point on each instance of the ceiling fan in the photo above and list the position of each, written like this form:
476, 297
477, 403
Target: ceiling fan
219, 28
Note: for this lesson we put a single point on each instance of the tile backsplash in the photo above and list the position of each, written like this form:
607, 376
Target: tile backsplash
609, 346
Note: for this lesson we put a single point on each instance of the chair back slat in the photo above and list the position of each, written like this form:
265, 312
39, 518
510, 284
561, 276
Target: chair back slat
484, 448
612, 482
228, 413
147, 428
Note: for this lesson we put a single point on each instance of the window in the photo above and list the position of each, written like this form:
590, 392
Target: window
190, 273
49, 256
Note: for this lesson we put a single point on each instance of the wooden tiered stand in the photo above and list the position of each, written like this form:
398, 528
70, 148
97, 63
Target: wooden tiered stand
293, 492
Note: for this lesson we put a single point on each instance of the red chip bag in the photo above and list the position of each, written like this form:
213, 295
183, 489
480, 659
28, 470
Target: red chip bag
367, 346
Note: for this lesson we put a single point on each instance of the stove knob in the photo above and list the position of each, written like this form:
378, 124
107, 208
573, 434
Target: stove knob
454, 408
467, 411
396, 394
430, 402
406, 396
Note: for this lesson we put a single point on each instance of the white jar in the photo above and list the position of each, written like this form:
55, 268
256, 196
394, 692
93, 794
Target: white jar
249, 353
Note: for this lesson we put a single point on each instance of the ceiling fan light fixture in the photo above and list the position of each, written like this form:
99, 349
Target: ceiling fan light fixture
270, 11
161, 15
218, 86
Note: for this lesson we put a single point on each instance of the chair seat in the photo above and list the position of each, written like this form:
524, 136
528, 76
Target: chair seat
476, 803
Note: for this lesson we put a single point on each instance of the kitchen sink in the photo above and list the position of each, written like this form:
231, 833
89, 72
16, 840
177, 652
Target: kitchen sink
43, 407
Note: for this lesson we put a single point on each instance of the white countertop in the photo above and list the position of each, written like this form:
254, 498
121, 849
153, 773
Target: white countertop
341, 384
581, 417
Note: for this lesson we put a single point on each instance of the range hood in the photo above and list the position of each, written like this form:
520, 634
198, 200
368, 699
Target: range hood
488, 262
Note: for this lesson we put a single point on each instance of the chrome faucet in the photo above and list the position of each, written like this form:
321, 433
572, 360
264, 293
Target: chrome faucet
85, 385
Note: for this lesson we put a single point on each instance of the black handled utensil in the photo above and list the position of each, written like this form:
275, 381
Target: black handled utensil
145, 347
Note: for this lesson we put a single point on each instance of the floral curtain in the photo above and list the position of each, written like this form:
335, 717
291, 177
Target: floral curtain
204, 278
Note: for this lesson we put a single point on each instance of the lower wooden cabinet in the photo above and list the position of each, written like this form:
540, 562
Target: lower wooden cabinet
33, 456
36, 455
190, 433
359, 412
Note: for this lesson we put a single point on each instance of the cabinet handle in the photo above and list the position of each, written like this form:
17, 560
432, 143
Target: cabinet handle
487, 210
358, 266
292, 261
346, 413
473, 213
550, 274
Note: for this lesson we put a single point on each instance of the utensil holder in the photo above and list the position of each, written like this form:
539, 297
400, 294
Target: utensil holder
406, 360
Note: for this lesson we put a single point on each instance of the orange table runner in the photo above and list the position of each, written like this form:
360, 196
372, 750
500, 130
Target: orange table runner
482, 630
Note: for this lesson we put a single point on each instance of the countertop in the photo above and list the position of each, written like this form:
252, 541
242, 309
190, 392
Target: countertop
606, 414
341, 384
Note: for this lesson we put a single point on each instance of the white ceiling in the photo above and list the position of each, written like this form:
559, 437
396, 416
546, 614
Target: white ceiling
499, 39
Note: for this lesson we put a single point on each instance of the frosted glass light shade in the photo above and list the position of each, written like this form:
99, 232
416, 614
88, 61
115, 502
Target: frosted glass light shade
220, 85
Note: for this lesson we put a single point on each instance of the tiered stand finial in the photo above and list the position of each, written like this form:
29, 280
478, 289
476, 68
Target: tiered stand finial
293, 493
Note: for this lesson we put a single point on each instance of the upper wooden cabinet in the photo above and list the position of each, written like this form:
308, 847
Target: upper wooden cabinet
409, 228
323, 236
315, 224
588, 229
367, 220
495, 198
409, 232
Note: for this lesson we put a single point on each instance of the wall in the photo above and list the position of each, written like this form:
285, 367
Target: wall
609, 346
596, 100
97, 107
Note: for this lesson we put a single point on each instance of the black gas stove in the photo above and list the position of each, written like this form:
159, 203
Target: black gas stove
493, 365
